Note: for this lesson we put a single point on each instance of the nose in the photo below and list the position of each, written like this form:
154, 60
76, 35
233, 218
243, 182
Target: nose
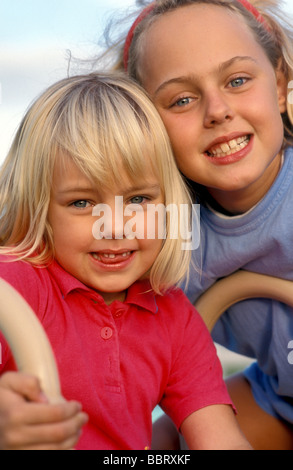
217, 109
110, 224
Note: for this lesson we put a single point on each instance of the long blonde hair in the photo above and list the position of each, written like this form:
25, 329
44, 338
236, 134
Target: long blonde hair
96, 119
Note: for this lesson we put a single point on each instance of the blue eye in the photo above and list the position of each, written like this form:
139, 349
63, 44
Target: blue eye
182, 102
137, 200
237, 82
82, 204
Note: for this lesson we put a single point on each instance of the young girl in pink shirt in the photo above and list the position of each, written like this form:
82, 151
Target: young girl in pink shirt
100, 279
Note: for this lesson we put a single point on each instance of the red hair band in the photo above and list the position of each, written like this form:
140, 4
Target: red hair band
258, 16
245, 3
130, 34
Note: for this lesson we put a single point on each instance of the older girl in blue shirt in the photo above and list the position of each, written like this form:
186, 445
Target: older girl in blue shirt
219, 73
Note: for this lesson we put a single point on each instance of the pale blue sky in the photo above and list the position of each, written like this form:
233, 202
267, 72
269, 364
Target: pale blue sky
47, 20
34, 37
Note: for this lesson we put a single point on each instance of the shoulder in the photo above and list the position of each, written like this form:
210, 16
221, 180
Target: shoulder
289, 152
15, 270
174, 296
179, 310
10, 266
29, 280
287, 167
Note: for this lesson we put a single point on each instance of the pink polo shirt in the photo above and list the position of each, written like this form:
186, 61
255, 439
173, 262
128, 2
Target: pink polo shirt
121, 360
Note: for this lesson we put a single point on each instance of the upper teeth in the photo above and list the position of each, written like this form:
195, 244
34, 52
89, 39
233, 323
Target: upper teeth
230, 147
111, 255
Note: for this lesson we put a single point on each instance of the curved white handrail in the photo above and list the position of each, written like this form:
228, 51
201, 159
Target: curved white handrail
28, 341
239, 286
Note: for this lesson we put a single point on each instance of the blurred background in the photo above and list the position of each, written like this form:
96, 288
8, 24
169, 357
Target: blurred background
36, 40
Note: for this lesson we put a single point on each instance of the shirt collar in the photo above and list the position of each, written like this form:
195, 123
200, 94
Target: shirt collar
66, 282
140, 293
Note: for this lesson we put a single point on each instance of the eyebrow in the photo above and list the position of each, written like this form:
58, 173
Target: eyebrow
143, 188
239, 58
151, 189
73, 189
189, 78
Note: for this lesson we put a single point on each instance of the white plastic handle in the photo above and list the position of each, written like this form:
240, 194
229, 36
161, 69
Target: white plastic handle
239, 286
28, 341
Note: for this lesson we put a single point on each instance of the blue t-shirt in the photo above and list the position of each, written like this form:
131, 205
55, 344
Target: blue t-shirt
261, 241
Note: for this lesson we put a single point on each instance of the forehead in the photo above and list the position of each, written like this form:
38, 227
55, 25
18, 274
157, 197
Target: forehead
192, 35
205, 21
69, 174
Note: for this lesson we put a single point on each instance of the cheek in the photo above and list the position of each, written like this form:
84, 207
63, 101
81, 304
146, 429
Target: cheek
57, 220
153, 230
183, 134
69, 236
151, 250
59, 228
262, 106
266, 117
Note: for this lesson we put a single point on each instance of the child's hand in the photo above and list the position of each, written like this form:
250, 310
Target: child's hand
28, 421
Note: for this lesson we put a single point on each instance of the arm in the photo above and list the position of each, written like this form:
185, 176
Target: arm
213, 428
28, 421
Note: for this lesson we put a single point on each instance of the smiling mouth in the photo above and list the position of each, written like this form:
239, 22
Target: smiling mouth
228, 148
111, 258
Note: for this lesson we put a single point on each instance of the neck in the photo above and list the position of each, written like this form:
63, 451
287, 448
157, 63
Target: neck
110, 297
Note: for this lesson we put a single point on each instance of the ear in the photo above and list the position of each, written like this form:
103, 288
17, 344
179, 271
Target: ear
282, 88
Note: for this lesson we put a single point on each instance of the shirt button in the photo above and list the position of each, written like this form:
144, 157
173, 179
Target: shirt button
106, 333
118, 313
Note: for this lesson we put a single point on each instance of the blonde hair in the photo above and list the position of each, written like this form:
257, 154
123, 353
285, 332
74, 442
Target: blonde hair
99, 120
277, 42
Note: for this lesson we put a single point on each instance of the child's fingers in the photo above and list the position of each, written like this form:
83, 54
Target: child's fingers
27, 420
48, 427
22, 384
43, 426
64, 435
38, 413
